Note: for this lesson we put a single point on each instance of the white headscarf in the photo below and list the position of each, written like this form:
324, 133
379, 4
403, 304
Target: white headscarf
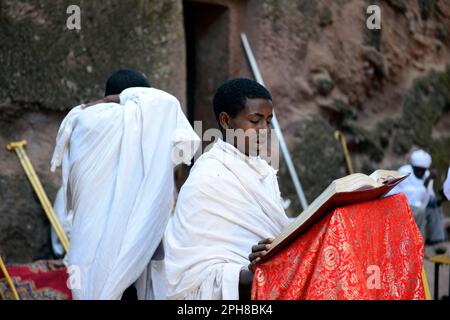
420, 158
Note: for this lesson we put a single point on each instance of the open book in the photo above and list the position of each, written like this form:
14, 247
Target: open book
351, 189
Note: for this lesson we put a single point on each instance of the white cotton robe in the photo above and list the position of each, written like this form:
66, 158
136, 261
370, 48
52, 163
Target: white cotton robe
64, 219
228, 204
414, 189
447, 185
117, 163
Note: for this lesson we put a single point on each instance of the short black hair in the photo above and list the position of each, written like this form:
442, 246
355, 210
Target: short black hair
124, 79
232, 96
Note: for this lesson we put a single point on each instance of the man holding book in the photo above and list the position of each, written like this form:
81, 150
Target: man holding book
230, 208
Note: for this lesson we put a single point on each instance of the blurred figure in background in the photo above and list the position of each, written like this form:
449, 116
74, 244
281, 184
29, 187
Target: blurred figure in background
64, 219
447, 185
418, 188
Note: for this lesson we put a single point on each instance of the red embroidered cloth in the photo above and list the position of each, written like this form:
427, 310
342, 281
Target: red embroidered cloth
372, 250
40, 280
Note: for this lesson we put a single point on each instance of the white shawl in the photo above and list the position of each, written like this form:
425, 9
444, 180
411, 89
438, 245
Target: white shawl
447, 185
228, 204
64, 219
414, 189
117, 163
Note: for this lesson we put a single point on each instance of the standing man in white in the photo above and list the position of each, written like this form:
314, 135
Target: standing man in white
117, 162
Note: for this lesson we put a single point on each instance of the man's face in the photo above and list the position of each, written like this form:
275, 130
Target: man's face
419, 172
255, 120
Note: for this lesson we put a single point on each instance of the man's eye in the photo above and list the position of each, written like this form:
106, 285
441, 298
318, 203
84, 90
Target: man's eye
254, 122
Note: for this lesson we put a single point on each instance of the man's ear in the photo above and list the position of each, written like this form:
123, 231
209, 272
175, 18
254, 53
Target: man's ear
224, 120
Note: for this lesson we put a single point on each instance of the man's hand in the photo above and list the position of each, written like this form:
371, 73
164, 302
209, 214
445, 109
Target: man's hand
246, 276
259, 251
108, 99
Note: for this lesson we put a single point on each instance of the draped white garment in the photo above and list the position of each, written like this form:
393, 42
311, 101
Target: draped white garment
447, 185
64, 219
228, 204
117, 163
414, 189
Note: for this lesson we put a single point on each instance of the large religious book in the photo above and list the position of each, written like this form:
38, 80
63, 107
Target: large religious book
352, 189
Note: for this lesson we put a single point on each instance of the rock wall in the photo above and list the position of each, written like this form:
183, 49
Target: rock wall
387, 90
46, 69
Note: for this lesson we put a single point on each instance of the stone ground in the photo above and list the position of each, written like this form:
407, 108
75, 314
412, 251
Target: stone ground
443, 274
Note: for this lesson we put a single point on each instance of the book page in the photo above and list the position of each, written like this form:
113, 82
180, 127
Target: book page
348, 190
382, 176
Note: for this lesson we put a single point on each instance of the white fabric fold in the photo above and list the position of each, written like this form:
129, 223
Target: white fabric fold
447, 185
416, 192
117, 162
228, 204
64, 219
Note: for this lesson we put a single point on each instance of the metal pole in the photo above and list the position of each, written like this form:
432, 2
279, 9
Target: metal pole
436, 281
18, 147
348, 160
276, 126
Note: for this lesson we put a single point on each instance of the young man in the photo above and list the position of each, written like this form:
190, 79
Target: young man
117, 163
230, 202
